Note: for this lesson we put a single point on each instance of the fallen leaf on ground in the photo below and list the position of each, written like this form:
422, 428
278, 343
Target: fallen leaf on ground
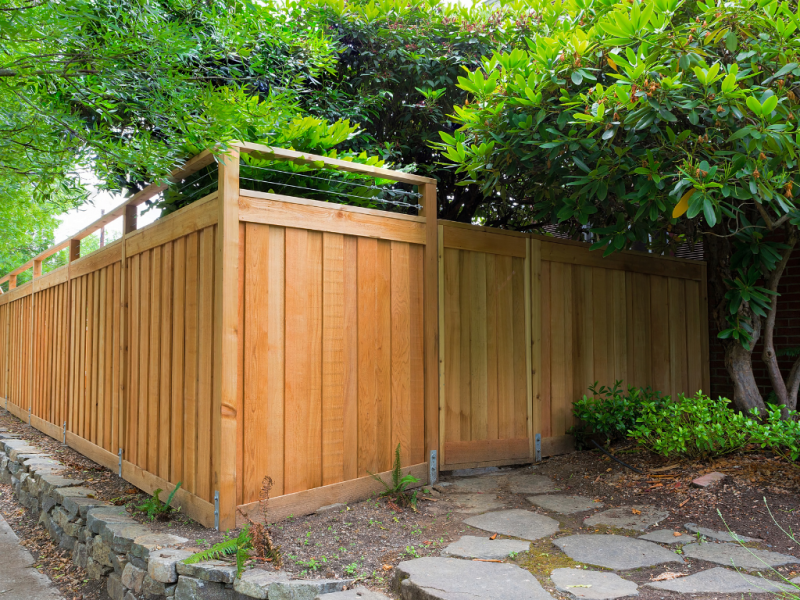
636, 512
493, 537
387, 567
486, 560
666, 576
677, 533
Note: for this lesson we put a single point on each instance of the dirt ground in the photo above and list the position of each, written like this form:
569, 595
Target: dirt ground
366, 540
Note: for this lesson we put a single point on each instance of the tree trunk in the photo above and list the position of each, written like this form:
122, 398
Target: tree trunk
739, 363
738, 360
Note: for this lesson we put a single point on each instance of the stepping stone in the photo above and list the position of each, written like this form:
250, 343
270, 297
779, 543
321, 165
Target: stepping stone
722, 536
750, 559
721, 581
708, 480
476, 503
667, 536
624, 517
486, 483
470, 546
592, 585
615, 551
565, 505
453, 579
517, 523
531, 484
359, 593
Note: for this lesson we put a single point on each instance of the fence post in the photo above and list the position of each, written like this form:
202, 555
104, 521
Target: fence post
431, 317
226, 339
12, 282
74, 250
534, 309
128, 227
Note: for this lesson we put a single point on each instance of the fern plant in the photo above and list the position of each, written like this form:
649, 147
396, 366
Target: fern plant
397, 490
239, 546
154, 508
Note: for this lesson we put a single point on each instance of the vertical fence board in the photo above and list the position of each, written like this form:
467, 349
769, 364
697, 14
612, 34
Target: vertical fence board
401, 350
452, 344
333, 366
205, 315
191, 351
297, 361
350, 356
384, 356
367, 342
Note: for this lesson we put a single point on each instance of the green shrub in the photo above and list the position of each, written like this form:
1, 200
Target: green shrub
695, 426
611, 413
779, 433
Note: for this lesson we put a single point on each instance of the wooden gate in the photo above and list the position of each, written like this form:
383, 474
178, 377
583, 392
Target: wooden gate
485, 350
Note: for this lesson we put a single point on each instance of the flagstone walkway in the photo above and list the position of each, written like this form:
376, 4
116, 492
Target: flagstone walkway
626, 540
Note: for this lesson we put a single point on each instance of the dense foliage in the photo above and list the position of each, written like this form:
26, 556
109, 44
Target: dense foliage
687, 426
128, 90
609, 412
650, 125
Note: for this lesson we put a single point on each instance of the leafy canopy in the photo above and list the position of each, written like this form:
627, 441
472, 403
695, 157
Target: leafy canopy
649, 124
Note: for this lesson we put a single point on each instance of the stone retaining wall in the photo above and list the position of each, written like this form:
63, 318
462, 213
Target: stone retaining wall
138, 563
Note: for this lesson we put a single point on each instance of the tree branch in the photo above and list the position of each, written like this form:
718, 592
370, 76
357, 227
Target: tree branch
768, 356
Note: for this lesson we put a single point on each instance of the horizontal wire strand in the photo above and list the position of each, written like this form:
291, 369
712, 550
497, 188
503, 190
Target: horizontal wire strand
345, 182
346, 195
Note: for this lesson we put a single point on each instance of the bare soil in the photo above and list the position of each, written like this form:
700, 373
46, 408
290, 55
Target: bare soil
366, 540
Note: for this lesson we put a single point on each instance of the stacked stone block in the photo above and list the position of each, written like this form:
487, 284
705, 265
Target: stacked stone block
137, 562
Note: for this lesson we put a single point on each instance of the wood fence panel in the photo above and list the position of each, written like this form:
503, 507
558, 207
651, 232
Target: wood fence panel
328, 396
170, 358
19, 348
93, 403
611, 324
51, 353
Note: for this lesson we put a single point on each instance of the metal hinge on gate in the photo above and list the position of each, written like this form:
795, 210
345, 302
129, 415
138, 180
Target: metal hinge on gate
119, 454
433, 469
538, 448
216, 510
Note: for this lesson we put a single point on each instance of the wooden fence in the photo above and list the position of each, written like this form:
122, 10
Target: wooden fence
252, 334
529, 323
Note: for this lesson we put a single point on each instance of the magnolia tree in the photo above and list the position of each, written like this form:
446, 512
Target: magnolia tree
653, 125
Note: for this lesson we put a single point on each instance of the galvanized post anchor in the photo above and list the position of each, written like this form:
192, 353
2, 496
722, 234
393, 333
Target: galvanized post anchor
119, 454
433, 469
65, 433
538, 451
216, 510
29, 416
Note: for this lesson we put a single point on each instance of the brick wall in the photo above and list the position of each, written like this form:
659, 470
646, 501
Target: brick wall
787, 334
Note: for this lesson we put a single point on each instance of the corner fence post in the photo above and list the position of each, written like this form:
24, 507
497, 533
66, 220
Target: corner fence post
226, 341
431, 317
